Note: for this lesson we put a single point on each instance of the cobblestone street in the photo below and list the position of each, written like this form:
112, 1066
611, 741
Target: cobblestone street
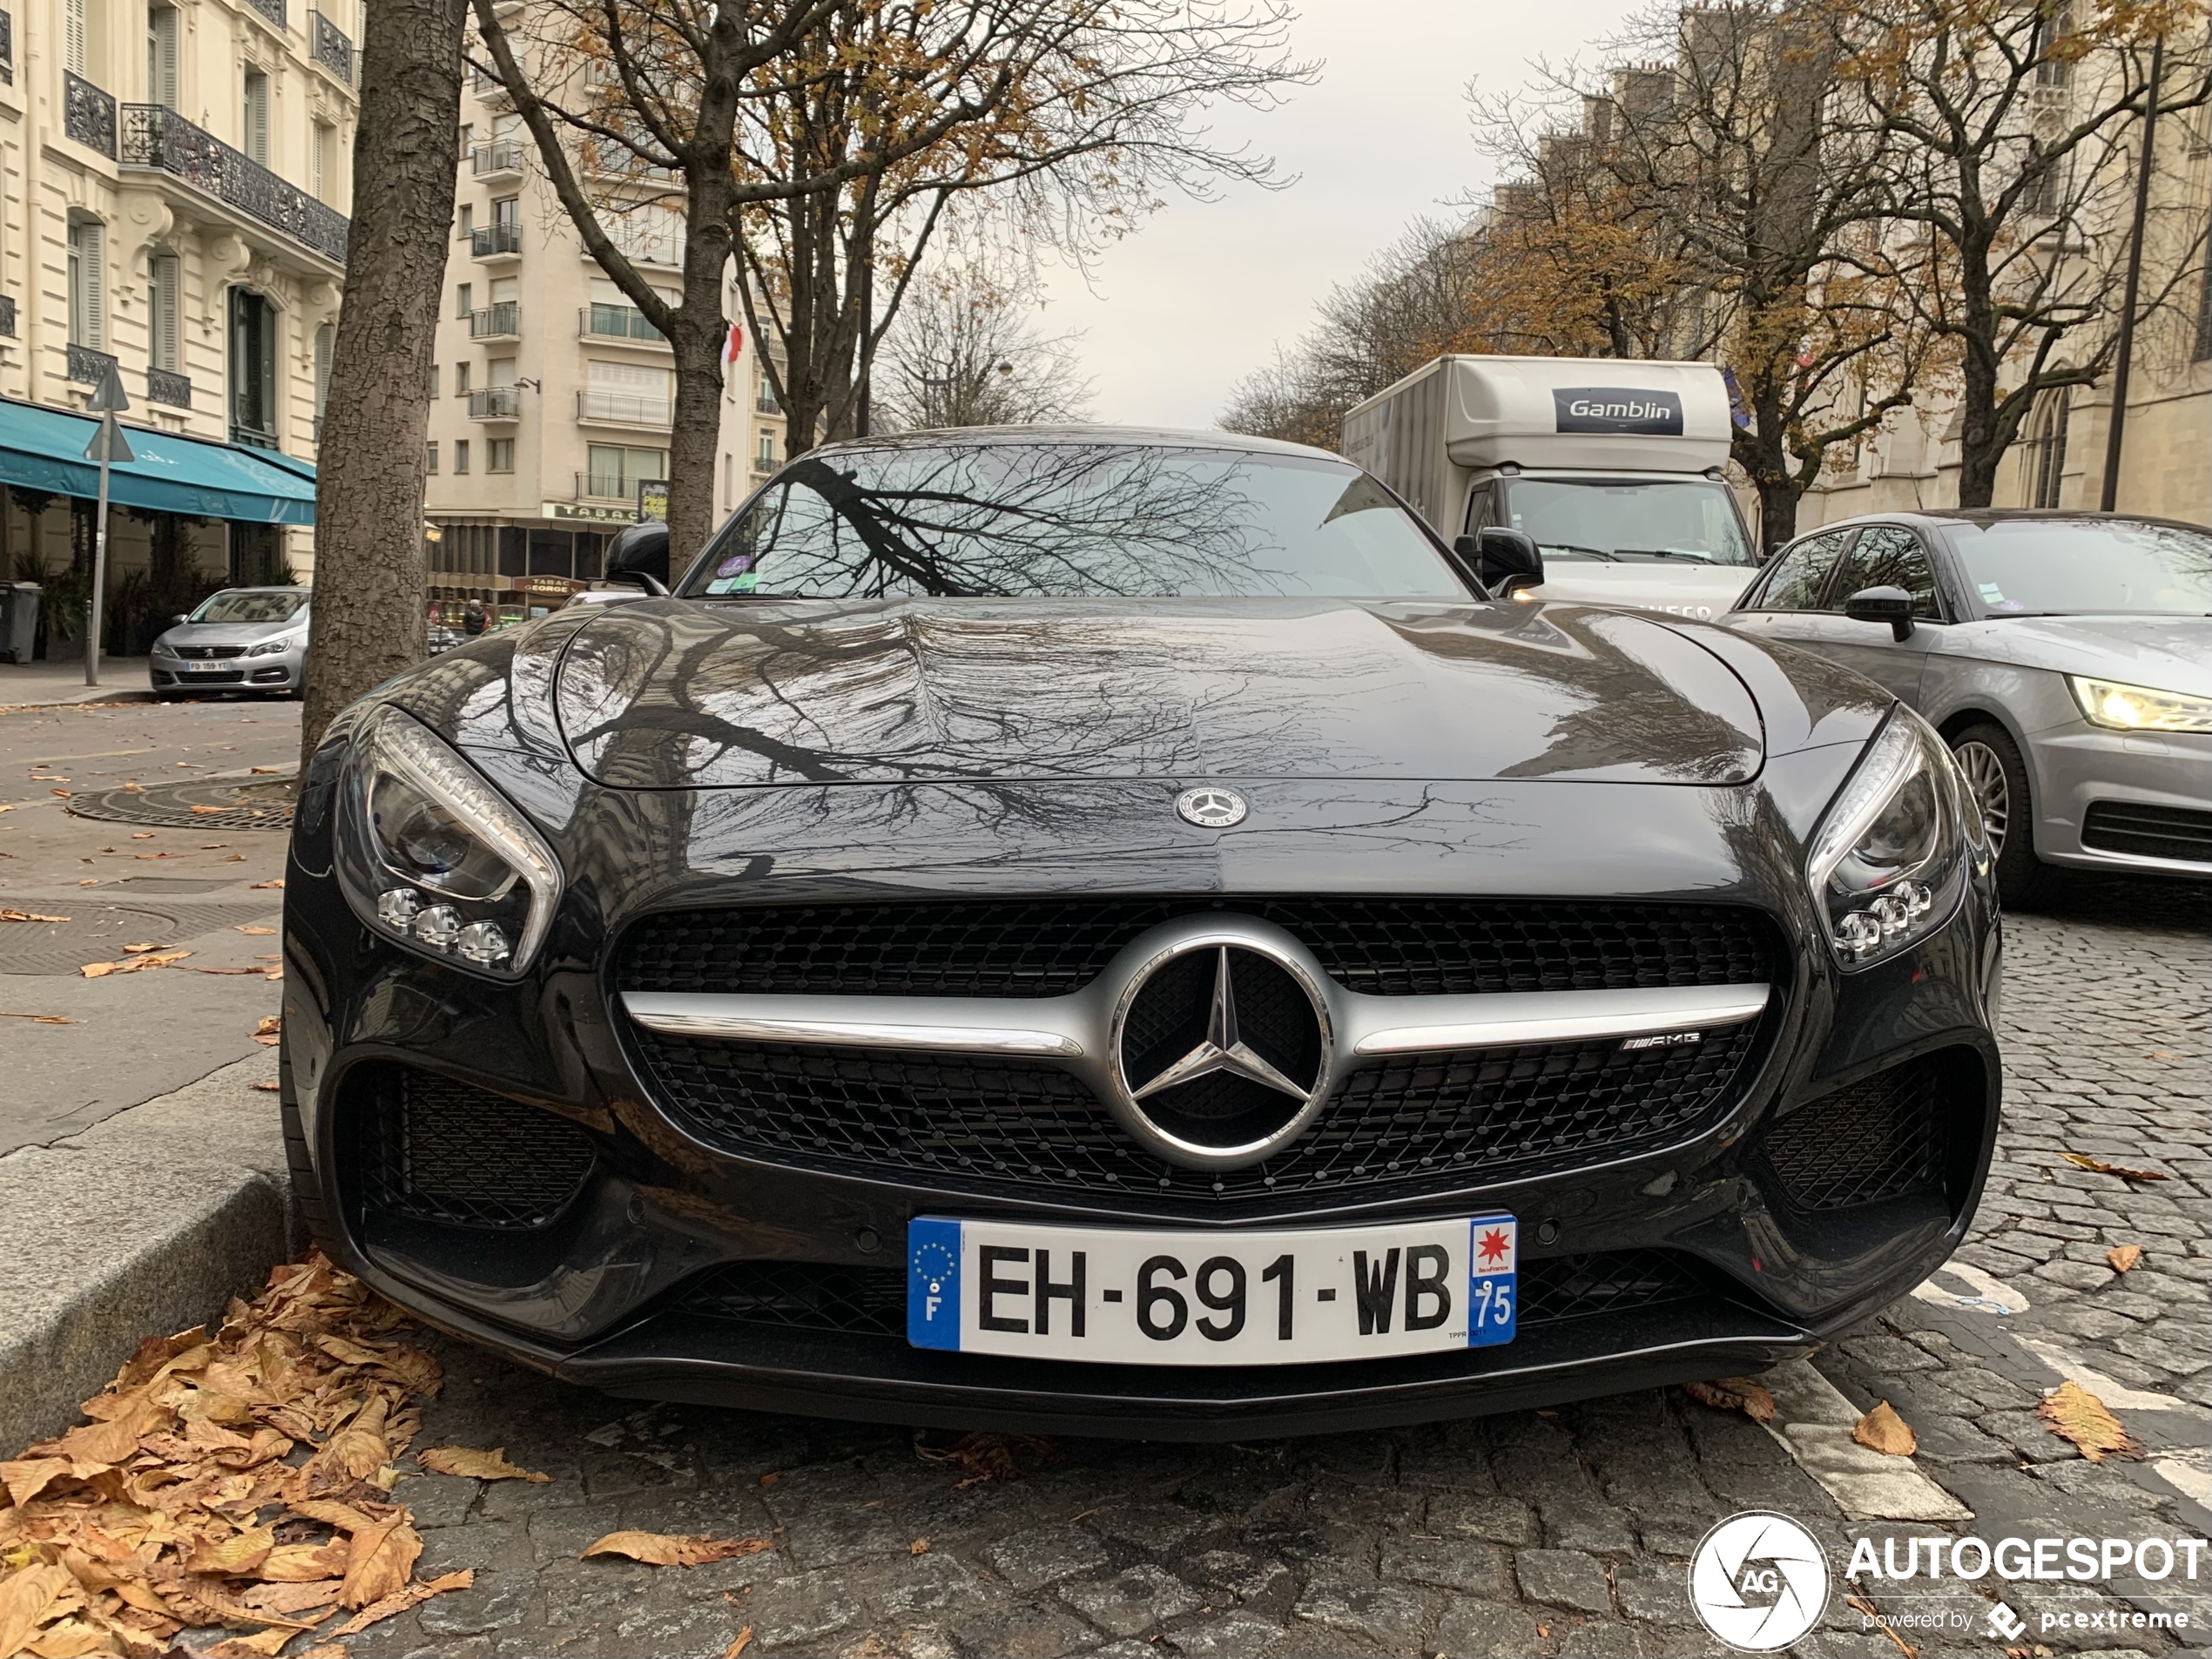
1550, 1533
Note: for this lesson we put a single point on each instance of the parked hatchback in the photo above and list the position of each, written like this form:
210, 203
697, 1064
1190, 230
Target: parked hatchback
240, 639
2066, 658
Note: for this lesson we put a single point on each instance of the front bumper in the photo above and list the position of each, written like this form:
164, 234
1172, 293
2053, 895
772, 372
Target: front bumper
619, 1283
281, 672
2123, 800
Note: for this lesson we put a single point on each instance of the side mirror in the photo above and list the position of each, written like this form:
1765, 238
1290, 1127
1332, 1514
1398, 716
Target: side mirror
178, 620
1891, 605
644, 580
1504, 559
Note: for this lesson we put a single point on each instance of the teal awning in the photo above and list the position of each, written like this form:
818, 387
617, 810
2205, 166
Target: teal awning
44, 450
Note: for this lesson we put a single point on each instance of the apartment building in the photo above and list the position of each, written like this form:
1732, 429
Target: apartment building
554, 395
173, 197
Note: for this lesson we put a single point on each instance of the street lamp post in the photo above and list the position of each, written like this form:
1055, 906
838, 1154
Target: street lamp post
107, 447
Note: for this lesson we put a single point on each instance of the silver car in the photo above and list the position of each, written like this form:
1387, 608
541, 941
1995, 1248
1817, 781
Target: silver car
2066, 658
240, 639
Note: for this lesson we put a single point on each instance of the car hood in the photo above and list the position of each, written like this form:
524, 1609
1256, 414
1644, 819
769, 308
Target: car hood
1700, 592
2167, 653
226, 633
674, 694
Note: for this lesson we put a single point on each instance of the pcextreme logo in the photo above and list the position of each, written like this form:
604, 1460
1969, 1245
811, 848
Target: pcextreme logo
1759, 1582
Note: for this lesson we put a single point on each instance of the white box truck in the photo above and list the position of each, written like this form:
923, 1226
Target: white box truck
1613, 467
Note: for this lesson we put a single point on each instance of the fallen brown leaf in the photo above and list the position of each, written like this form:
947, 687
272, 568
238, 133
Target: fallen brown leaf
38, 1019
2124, 1257
1734, 1394
481, 1466
26, 1596
136, 835
738, 1644
28, 915
140, 949
96, 970
277, 883
211, 809
672, 1549
772, 1476
263, 1644
267, 770
919, 1546
253, 930
235, 1556
380, 1562
985, 1456
400, 1601
269, 1088
2083, 1161
64, 793
2074, 1415
1882, 1430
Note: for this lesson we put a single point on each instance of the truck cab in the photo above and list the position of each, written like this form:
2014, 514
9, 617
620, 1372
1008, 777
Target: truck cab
1612, 467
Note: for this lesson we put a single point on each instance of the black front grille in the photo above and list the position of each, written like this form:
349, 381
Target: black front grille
435, 1149
1049, 947
2148, 831
225, 676
1420, 1121
208, 653
871, 1301
1885, 1136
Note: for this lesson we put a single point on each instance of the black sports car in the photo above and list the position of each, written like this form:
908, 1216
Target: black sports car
1115, 932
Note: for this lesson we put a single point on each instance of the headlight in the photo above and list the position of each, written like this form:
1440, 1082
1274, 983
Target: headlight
282, 642
1889, 859
431, 854
2137, 708
163, 648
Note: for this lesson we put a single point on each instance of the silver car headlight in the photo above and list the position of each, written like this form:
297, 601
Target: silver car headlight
2120, 707
281, 642
1889, 859
430, 855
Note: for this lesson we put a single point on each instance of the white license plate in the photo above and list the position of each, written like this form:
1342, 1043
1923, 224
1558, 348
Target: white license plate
203, 668
1291, 1296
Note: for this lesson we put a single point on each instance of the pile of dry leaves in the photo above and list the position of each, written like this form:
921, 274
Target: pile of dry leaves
241, 1479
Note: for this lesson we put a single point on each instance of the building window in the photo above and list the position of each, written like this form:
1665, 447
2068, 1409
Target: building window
323, 160
2046, 447
163, 283
161, 56
612, 472
507, 211
465, 300
763, 453
467, 220
253, 366
728, 482
430, 458
326, 341
461, 454
461, 380
253, 123
499, 455
73, 32
434, 380
88, 283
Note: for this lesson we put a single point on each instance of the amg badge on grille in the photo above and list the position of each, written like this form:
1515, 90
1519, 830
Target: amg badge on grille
1663, 1040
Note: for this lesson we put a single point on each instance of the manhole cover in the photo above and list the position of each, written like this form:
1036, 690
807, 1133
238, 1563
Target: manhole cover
203, 803
97, 932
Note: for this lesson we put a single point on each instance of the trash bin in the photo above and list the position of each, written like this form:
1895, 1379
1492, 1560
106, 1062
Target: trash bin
18, 620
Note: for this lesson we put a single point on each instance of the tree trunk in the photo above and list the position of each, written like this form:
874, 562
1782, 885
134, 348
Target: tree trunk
368, 490
1979, 445
1779, 498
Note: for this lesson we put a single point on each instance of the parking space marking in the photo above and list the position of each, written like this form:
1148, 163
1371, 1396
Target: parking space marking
2192, 1480
2116, 1395
1813, 1421
1989, 1294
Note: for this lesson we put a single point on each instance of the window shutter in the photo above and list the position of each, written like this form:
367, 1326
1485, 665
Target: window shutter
89, 235
73, 36
324, 337
163, 22
166, 300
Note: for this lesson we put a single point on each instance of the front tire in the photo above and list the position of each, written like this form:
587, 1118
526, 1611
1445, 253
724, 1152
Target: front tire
307, 1197
1997, 776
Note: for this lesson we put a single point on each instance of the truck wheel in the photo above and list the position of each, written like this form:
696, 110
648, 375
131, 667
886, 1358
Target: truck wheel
1996, 777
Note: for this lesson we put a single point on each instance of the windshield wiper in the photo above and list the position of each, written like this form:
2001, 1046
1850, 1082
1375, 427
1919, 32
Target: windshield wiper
1663, 553
1575, 547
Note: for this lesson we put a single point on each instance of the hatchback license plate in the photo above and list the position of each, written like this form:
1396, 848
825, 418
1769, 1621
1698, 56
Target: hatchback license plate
1290, 1296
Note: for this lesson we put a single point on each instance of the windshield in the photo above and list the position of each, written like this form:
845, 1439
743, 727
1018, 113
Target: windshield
1631, 523
1064, 520
251, 604
2046, 567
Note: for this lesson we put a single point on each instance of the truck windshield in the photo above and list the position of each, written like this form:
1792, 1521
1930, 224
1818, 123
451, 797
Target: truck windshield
1632, 522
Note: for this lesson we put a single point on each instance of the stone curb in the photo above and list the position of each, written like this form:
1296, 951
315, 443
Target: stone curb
88, 694
145, 1224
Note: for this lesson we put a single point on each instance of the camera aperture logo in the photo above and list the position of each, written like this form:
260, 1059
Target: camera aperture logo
1759, 1582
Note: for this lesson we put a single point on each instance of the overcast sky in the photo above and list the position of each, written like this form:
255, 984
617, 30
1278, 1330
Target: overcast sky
1203, 291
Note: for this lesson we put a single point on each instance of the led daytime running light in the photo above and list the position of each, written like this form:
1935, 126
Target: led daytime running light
2119, 707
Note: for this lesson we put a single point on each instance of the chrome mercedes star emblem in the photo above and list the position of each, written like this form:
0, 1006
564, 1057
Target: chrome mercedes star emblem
1210, 807
1222, 1050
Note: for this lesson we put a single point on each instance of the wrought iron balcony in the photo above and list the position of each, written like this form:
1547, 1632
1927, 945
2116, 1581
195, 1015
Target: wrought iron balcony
602, 321
272, 10
496, 241
495, 404
87, 364
501, 155
623, 409
7, 48
330, 46
7, 316
159, 139
166, 386
88, 114
496, 321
